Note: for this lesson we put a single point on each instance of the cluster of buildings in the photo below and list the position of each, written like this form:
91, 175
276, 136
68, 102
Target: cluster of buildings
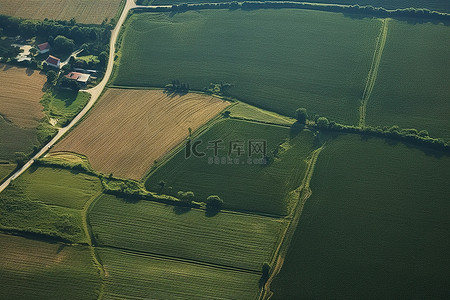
82, 76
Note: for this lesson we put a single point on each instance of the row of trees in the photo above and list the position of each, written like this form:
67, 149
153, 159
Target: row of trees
12, 26
410, 135
394, 132
177, 86
217, 88
421, 13
213, 202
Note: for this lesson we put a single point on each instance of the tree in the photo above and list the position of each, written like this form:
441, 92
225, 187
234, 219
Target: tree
423, 133
322, 122
33, 63
69, 83
66, 69
103, 58
161, 184
33, 51
76, 34
92, 34
301, 115
51, 77
226, 114
21, 158
63, 44
187, 197
214, 203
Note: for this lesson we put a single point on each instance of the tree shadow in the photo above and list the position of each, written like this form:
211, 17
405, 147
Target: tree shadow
68, 97
295, 129
75, 171
410, 20
60, 248
172, 94
29, 71
6, 67
262, 281
130, 199
209, 213
179, 210
33, 168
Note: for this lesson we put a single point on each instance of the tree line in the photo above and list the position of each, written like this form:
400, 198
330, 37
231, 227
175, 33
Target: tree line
12, 26
410, 135
421, 13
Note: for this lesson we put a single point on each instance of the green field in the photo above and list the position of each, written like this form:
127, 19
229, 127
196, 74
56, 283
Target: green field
242, 110
64, 105
412, 87
49, 202
59, 187
134, 276
39, 270
228, 239
6, 169
61, 105
377, 225
319, 61
15, 139
255, 187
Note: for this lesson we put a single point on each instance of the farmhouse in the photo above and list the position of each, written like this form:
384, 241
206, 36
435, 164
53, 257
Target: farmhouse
53, 61
43, 48
79, 77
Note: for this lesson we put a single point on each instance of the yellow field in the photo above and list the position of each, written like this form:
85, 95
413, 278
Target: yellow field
129, 129
83, 11
20, 93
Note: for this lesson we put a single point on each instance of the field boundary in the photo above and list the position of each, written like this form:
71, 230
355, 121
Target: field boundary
373, 72
349, 9
204, 128
304, 192
260, 122
179, 259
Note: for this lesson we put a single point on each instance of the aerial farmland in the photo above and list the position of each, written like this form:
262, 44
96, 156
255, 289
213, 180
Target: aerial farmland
163, 149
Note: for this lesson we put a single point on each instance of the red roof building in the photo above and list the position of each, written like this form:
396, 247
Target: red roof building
73, 75
53, 61
44, 47
79, 77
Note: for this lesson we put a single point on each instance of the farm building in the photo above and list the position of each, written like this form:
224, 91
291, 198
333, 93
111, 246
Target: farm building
53, 61
79, 77
43, 48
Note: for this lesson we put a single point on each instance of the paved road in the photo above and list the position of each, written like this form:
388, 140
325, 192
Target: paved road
95, 94
74, 54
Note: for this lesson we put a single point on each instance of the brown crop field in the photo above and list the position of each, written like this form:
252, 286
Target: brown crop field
83, 11
20, 93
129, 129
